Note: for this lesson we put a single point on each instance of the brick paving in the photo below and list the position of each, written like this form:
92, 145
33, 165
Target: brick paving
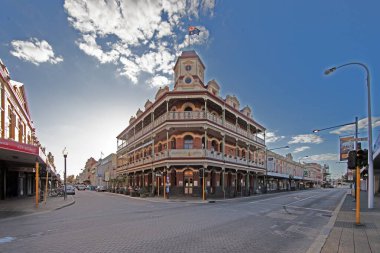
101, 222
345, 236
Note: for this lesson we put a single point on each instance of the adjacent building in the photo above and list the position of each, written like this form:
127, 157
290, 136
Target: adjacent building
284, 173
192, 140
20, 150
106, 171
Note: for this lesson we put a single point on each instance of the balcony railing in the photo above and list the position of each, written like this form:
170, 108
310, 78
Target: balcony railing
193, 115
194, 153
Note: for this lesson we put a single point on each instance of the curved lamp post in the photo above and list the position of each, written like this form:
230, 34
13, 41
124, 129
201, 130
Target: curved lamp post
65, 153
370, 154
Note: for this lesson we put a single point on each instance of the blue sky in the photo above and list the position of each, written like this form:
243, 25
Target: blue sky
88, 66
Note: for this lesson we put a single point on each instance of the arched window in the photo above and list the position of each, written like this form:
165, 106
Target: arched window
188, 109
173, 143
188, 142
214, 145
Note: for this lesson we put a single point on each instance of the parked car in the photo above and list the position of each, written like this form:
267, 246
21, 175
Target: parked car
90, 188
70, 190
81, 187
100, 188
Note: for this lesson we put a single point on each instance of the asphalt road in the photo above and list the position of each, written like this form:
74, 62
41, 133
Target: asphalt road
104, 222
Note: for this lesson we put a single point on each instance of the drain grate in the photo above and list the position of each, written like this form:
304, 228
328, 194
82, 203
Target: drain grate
350, 224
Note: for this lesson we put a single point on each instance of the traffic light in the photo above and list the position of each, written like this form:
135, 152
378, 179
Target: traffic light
351, 162
359, 157
362, 158
365, 158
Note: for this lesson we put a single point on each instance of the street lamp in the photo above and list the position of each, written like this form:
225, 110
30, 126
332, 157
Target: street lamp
65, 153
370, 154
327, 128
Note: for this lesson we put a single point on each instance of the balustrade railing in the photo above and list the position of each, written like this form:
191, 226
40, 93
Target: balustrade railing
190, 116
194, 153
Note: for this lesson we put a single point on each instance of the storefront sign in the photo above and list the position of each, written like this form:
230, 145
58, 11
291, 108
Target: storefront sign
16, 146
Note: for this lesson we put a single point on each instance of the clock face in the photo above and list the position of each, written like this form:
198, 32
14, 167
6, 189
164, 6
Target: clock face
188, 67
188, 80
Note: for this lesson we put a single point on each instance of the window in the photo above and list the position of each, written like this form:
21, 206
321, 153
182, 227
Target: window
188, 67
221, 147
188, 109
214, 146
173, 143
159, 147
188, 80
188, 142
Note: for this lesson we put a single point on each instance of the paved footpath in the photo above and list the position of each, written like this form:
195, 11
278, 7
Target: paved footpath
346, 237
16, 207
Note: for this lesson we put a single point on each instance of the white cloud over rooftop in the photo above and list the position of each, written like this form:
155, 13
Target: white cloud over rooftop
34, 51
138, 36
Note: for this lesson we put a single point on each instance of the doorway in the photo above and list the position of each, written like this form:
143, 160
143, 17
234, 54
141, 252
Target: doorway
188, 179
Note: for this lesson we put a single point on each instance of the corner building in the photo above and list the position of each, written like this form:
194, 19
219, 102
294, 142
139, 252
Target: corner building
190, 134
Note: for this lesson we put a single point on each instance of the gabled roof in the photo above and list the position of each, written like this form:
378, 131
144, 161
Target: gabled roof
19, 90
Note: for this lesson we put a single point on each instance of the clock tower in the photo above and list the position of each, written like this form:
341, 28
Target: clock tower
189, 72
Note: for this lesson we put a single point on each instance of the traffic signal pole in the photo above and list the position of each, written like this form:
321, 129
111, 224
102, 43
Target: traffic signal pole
357, 210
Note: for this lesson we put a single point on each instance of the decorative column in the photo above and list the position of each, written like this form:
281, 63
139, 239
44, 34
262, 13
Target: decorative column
224, 146
205, 147
153, 181
167, 142
223, 184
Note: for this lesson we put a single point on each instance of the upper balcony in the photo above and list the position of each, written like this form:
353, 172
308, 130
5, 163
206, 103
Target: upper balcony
191, 116
194, 154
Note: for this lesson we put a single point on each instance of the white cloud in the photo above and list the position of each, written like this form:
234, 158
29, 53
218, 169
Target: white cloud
306, 138
323, 157
271, 137
140, 36
34, 51
362, 124
159, 81
300, 149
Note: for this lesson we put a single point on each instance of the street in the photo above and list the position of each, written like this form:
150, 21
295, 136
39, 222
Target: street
106, 222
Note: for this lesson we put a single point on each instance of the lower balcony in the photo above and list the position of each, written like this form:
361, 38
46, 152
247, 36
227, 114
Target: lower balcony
193, 153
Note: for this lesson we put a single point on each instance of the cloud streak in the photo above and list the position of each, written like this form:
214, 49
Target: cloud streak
138, 36
362, 124
34, 51
306, 138
271, 137
323, 157
300, 149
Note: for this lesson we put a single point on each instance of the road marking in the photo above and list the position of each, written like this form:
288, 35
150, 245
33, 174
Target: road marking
7, 239
308, 208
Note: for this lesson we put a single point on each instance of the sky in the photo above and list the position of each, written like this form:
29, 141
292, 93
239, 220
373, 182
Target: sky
88, 66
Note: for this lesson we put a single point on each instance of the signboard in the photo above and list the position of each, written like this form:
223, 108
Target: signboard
17, 146
270, 164
346, 145
107, 176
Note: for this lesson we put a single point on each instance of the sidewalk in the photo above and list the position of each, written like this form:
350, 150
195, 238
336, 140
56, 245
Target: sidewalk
27, 206
345, 236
